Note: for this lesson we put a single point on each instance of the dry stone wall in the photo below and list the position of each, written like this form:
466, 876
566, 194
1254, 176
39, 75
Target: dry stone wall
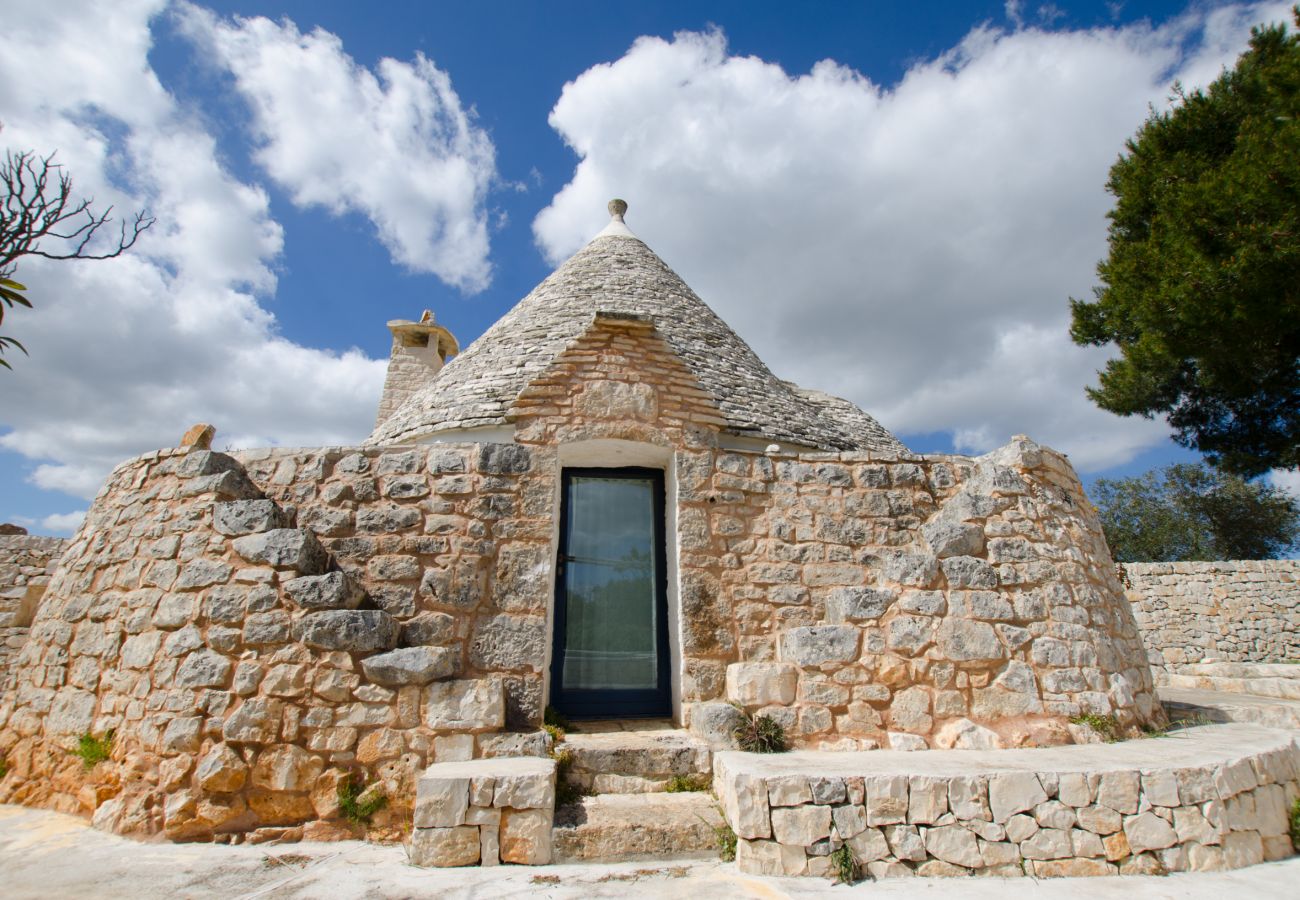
26, 564
1233, 612
366, 614
1217, 798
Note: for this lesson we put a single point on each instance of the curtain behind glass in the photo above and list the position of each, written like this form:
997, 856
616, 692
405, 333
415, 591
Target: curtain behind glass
610, 639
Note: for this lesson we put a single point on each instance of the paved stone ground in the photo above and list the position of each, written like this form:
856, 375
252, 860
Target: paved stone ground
48, 855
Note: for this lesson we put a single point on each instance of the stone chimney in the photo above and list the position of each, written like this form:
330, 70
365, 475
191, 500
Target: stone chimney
420, 349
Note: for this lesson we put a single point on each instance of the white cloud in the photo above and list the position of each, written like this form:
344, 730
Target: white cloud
127, 354
63, 523
395, 145
911, 248
1287, 480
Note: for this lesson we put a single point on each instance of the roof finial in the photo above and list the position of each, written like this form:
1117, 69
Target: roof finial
617, 208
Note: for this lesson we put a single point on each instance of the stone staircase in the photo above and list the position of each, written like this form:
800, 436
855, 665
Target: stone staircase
626, 770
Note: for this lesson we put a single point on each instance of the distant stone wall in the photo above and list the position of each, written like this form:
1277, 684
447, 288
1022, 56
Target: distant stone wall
1239, 611
26, 564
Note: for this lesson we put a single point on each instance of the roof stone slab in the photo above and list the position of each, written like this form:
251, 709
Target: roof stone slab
618, 274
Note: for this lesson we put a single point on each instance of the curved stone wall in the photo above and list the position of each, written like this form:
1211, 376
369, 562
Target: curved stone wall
27, 563
256, 628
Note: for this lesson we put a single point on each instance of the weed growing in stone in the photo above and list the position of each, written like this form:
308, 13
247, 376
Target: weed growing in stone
359, 802
1107, 727
93, 750
682, 784
566, 792
726, 839
4, 767
760, 734
844, 865
555, 731
552, 716
1295, 824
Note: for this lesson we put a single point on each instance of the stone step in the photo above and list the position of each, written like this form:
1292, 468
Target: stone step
634, 762
615, 827
1218, 706
1269, 686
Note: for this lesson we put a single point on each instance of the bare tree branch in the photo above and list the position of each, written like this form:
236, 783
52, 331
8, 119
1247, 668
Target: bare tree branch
35, 209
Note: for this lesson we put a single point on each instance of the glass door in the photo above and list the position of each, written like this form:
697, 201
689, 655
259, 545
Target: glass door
611, 614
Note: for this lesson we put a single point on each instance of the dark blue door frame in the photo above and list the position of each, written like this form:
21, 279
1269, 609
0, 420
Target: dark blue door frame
613, 703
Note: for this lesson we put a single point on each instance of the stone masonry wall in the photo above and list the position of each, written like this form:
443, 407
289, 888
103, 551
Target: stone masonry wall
1240, 611
26, 564
246, 667
1218, 797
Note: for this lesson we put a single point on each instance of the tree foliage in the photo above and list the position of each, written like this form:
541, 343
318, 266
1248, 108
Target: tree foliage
1201, 288
1192, 512
40, 215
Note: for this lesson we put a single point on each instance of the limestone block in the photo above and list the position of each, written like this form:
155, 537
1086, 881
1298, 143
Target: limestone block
828, 790
453, 747
256, 721
1147, 831
174, 610
899, 740
1204, 859
1242, 848
762, 683
1099, 819
910, 634
1234, 777
1119, 791
953, 538
221, 771
509, 643
815, 645
333, 590
927, 801
968, 797
1086, 844
71, 713
509, 744
201, 573
904, 842
355, 630
954, 844
963, 734
964, 640
1047, 843
1072, 868
1013, 792
504, 459
910, 710
849, 821
410, 665
1196, 785
239, 517
139, 650
286, 767
1021, 828
1073, 790
441, 801
886, 799
442, 847
465, 705
292, 548
1054, 814
969, 572
926, 603
858, 604
429, 628
181, 735
759, 857
788, 790
870, 844
526, 836
716, 723
746, 806
203, 668
800, 826
531, 790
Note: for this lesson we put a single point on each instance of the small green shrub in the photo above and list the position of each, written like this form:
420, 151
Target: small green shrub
844, 865
682, 784
1295, 824
4, 767
93, 750
726, 839
760, 734
566, 792
552, 716
1107, 727
358, 802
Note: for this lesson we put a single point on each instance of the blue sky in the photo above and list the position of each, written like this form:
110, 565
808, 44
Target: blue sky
890, 202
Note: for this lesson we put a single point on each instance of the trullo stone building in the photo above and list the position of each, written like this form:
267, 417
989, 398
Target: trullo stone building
607, 504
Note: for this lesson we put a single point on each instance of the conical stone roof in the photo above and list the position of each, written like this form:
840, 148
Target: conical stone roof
617, 273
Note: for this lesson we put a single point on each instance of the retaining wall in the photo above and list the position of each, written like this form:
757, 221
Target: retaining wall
1236, 611
26, 564
1210, 798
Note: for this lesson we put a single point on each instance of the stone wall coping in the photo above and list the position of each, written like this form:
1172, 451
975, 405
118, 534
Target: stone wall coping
1203, 746
497, 767
24, 541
